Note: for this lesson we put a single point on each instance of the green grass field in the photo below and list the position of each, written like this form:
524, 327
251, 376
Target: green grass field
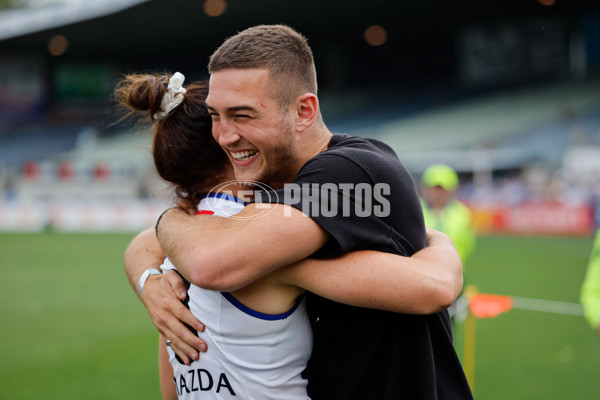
528, 354
72, 327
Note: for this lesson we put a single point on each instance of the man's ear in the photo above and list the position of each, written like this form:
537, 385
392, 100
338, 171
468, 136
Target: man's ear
307, 111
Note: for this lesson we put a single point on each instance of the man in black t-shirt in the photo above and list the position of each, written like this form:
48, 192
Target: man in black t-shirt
265, 112
372, 205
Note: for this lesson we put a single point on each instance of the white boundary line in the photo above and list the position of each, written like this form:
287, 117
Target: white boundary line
550, 306
525, 303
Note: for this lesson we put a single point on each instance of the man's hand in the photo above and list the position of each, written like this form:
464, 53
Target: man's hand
163, 296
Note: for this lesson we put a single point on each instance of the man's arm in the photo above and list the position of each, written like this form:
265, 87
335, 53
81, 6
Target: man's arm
427, 282
226, 254
162, 295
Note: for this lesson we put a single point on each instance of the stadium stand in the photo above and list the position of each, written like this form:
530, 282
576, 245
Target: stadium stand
517, 129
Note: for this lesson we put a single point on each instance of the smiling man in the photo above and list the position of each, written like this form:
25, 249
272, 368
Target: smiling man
265, 112
247, 122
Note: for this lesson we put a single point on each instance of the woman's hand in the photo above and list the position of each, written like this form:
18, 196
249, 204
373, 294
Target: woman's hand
163, 295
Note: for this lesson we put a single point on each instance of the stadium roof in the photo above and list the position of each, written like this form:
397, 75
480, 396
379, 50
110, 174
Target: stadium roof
17, 22
119, 26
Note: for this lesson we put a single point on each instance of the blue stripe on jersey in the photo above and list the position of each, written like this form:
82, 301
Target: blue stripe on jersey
225, 196
259, 315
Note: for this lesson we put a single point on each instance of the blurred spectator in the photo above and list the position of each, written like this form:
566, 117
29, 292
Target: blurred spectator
590, 290
443, 211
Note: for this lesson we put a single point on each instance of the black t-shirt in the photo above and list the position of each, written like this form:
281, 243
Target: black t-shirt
361, 194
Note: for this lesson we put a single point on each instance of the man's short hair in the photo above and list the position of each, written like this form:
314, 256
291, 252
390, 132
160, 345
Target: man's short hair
279, 48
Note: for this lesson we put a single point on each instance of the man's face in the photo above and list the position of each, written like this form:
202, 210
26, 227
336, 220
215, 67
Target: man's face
259, 140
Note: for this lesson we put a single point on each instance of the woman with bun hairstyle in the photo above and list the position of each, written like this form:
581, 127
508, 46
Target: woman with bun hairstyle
258, 338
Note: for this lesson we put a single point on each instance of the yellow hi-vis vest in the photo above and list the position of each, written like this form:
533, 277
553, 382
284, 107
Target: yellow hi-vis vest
590, 290
456, 221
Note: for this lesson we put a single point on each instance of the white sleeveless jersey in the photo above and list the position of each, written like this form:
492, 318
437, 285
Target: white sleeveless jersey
250, 355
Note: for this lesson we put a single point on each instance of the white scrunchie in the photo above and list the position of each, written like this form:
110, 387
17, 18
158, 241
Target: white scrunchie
173, 97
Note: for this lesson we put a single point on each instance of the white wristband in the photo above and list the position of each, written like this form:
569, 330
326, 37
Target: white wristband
144, 277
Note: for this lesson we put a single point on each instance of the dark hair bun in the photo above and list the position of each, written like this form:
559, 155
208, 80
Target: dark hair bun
142, 92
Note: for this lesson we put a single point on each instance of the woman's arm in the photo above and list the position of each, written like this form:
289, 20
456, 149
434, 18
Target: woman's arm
162, 296
425, 283
165, 371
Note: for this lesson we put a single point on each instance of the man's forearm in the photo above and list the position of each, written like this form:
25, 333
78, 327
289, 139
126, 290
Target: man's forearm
201, 248
142, 253
226, 254
173, 232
